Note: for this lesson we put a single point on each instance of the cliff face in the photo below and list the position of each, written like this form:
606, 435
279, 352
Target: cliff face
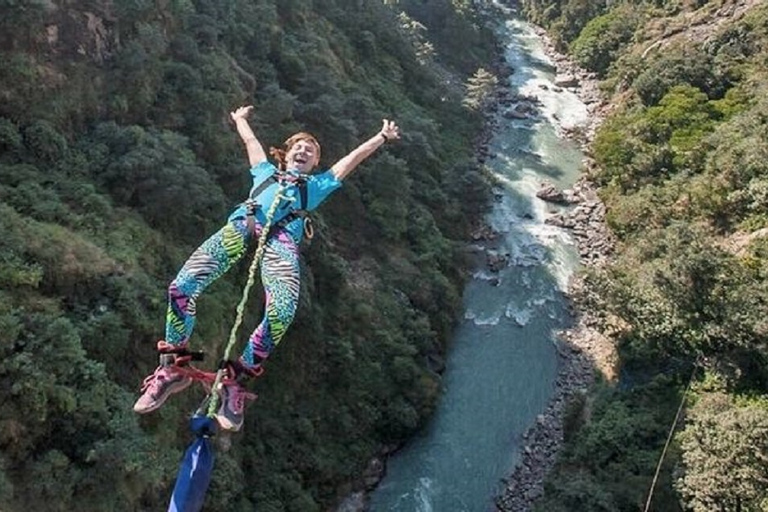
55, 53
78, 55
91, 34
62, 30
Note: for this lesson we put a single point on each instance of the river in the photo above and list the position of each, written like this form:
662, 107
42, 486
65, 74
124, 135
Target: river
502, 363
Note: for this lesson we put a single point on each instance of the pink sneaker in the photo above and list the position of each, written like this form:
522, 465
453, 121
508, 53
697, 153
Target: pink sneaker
231, 412
156, 388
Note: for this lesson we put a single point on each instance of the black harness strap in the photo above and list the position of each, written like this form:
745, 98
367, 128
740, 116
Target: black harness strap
264, 185
293, 215
303, 195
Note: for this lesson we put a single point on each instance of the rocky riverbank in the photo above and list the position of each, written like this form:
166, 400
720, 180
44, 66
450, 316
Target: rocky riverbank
582, 350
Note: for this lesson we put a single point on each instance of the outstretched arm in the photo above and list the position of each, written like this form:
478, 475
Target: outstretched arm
346, 165
253, 147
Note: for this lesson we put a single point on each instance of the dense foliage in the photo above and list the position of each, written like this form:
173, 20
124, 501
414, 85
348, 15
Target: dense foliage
683, 170
117, 159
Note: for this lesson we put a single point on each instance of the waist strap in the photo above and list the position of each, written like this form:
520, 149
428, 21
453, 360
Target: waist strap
282, 223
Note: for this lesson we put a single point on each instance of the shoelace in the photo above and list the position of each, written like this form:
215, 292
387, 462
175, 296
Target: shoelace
151, 381
237, 396
239, 402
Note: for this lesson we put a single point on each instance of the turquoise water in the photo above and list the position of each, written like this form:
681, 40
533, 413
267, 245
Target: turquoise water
502, 364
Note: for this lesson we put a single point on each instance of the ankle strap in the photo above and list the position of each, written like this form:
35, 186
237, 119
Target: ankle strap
178, 354
237, 370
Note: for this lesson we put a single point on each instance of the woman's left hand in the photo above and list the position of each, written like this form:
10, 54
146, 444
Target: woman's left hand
390, 130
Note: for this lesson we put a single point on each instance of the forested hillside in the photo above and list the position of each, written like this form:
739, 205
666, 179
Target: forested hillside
117, 159
682, 165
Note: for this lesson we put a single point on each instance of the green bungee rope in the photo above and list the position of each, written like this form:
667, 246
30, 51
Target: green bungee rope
214, 400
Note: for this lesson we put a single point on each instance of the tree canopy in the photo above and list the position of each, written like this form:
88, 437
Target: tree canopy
117, 158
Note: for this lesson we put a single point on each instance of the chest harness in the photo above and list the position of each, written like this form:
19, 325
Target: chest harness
283, 179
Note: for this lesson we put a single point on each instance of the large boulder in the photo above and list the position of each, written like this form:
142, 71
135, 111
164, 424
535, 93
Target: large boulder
566, 81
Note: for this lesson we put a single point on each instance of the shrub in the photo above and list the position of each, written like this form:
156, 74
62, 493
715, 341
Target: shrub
601, 40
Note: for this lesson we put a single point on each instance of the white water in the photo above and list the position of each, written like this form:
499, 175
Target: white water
502, 364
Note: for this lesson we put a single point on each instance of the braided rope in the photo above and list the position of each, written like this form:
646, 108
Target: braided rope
214, 401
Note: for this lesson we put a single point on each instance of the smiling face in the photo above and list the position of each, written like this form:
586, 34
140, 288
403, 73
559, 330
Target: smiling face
303, 154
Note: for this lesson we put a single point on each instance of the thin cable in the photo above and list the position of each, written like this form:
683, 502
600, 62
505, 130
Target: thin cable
669, 436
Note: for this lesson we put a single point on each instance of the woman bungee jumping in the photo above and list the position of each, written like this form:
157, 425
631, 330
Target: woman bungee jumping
278, 199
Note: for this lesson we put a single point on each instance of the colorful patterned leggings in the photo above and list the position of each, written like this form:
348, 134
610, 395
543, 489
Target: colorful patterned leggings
279, 275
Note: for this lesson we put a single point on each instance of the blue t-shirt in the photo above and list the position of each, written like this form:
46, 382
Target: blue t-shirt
318, 188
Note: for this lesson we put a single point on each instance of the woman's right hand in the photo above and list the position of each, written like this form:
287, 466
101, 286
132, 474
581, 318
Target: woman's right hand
241, 113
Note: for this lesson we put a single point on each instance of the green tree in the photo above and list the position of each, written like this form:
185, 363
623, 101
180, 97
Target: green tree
681, 294
602, 39
725, 455
156, 173
480, 89
737, 169
114, 165
685, 65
